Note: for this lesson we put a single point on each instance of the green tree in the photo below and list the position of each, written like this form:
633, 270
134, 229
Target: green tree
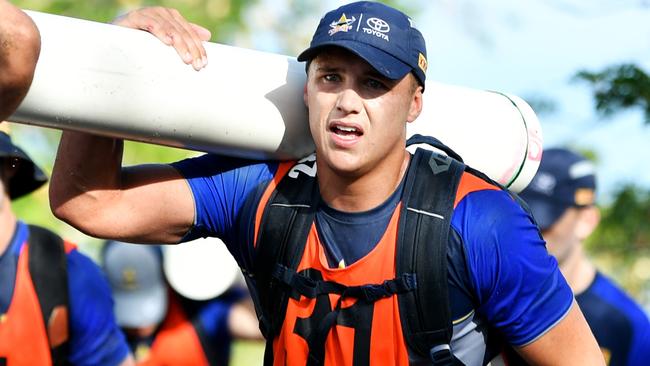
619, 87
624, 227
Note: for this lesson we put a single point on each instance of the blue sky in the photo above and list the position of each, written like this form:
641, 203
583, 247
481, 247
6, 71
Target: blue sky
534, 48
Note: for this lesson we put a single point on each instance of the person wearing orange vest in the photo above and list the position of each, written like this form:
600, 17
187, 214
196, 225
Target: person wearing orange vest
55, 306
162, 326
366, 71
20, 46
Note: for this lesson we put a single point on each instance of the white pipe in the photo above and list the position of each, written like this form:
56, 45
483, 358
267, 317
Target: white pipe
120, 82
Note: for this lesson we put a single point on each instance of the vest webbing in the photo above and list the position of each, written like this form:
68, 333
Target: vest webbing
48, 269
421, 273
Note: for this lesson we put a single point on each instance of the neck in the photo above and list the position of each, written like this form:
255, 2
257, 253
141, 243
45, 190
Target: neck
7, 222
364, 192
578, 270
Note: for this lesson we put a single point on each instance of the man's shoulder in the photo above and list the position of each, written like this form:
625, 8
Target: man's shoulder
605, 290
213, 164
483, 203
471, 182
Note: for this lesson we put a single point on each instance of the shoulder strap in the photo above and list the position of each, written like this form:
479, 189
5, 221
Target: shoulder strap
287, 219
425, 220
48, 268
209, 350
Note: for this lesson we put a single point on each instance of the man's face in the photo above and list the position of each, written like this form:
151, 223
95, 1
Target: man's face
357, 117
562, 237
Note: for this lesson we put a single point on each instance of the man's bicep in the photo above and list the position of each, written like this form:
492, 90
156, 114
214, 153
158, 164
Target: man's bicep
156, 205
569, 342
518, 285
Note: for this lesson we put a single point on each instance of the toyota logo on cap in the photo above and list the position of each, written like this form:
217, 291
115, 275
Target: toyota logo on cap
379, 25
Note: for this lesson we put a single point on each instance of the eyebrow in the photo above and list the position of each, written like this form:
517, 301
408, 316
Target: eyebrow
371, 72
326, 68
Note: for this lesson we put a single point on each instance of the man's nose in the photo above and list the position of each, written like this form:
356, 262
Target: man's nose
349, 101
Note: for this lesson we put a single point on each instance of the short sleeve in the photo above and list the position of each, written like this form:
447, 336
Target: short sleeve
220, 186
223, 189
517, 284
95, 339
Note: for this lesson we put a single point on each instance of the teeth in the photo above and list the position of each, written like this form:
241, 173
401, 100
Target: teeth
347, 129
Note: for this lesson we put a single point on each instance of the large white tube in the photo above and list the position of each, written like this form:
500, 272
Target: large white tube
121, 82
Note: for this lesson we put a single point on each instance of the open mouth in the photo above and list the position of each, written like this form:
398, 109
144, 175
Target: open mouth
346, 131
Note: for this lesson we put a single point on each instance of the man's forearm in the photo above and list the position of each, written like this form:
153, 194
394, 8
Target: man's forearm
20, 46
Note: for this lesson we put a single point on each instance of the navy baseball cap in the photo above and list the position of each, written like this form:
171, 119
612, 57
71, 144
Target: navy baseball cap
135, 274
564, 179
382, 36
28, 177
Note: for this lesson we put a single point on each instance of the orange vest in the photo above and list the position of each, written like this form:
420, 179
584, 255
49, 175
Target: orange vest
24, 338
379, 323
177, 343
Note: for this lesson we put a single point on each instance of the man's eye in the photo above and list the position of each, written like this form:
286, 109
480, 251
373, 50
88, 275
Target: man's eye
331, 77
375, 84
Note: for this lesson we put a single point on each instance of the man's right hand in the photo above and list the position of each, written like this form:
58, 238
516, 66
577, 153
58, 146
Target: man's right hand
172, 29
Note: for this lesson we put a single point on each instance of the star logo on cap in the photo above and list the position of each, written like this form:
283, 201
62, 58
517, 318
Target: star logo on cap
344, 24
130, 278
584, 197
422, 62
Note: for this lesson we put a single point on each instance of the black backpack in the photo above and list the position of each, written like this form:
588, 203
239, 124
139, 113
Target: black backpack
421, 259
48, 269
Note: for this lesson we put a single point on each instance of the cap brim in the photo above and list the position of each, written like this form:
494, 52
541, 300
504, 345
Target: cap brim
387, 65
28, 177
545, 212
135, 309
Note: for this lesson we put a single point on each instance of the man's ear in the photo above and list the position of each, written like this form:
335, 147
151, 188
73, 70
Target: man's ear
416, 105
588, 220
304, 94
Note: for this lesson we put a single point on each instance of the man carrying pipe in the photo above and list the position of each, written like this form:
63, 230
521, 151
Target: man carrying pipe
335, 288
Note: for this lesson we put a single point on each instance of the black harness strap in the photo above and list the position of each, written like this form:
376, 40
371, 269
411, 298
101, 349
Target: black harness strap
421, 281
48, 269
207, 343
427, 206
286, 222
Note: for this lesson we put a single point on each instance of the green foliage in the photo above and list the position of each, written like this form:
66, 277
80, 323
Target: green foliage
619, 87
624, 226
222, 17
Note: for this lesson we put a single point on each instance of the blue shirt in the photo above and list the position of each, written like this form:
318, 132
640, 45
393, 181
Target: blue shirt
620, 326
95, 338
500, 274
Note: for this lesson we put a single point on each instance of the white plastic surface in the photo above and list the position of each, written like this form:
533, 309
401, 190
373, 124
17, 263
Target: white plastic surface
201, 269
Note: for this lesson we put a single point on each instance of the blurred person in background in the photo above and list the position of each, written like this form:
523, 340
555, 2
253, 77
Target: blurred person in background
162, 326
55, 305
561, 197
20, 45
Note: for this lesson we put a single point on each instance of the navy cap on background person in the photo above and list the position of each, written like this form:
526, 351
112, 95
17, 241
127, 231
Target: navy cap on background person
28, 176
564, 179
136, 278
382, 36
